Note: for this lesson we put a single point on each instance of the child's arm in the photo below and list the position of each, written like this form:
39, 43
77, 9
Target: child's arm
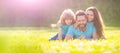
60, 34
59, 23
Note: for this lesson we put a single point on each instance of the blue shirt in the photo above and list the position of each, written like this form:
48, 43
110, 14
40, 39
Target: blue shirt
64, 29
76, 33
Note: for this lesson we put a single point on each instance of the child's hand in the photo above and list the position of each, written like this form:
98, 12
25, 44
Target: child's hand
82, 37
76, 24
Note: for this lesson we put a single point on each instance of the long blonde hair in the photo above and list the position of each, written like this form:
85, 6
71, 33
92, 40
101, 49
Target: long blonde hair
66, 14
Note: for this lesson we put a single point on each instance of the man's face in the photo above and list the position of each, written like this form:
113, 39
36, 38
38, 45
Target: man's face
82, 21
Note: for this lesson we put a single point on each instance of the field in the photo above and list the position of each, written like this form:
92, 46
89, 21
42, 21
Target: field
35, 40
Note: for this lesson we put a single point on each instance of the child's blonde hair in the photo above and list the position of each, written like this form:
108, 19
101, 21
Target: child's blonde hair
67, 14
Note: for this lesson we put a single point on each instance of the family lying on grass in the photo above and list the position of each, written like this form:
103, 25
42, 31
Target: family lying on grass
81, 25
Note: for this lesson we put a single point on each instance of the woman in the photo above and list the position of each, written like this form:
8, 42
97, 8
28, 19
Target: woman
95, 17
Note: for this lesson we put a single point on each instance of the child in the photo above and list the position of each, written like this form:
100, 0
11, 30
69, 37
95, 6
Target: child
66, 19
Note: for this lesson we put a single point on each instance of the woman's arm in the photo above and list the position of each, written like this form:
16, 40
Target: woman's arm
94, 36
60, 34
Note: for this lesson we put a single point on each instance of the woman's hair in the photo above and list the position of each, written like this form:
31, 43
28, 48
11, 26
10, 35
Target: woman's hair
98, 22
67, 14
79, 13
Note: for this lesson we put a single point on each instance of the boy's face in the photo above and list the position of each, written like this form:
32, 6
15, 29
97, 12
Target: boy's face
68, 21
82, 21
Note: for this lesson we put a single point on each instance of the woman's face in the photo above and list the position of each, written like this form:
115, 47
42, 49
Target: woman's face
90, 15
68, 21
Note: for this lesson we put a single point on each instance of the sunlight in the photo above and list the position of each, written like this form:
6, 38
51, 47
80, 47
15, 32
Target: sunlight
28, 1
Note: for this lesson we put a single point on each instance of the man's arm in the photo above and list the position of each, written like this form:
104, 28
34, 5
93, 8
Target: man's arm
82, 37
68, 37
70, 33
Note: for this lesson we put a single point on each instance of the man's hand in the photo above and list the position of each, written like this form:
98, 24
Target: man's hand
68, 37
82, 37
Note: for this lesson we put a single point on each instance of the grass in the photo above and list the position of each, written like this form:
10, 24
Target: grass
36, 41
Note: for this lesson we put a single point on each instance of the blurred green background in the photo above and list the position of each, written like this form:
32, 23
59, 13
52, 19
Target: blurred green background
27, 16
47, 12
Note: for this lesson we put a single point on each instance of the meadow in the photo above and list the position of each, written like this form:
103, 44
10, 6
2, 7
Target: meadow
35, 40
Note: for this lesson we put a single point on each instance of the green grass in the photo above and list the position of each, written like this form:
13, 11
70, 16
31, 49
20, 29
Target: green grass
36, 41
